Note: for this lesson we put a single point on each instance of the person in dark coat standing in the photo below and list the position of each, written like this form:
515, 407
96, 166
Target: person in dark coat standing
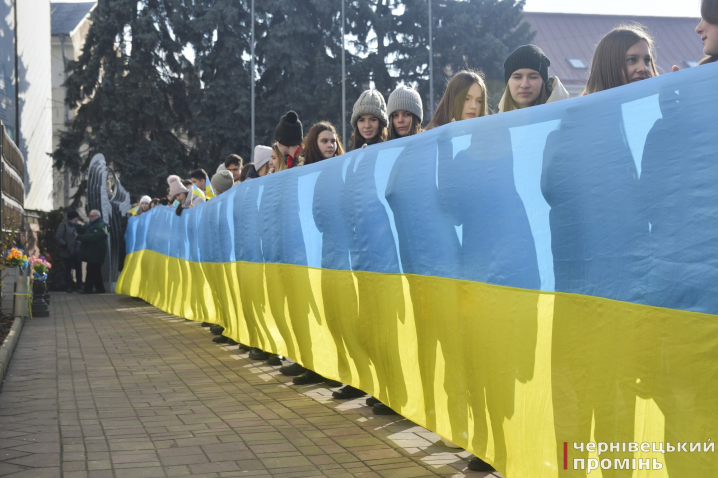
70, 250
93, 249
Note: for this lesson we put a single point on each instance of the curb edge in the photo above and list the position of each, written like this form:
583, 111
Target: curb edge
8, 347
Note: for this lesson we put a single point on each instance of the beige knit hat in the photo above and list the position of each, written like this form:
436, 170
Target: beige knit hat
371, 102
408, 99
176, 186
262, 155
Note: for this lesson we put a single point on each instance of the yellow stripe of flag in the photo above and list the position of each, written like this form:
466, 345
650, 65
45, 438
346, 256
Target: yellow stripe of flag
197, 192
209, 190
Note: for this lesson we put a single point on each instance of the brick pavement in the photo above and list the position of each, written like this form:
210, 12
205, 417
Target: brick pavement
109, 386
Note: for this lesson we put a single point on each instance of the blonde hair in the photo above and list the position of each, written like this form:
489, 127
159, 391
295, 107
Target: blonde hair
281, 159
608, 67
509, 104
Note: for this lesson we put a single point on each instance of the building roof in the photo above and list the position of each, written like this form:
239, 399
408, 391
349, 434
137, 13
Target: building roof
564, 36
67, 16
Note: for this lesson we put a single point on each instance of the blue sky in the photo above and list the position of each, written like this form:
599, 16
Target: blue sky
662, 8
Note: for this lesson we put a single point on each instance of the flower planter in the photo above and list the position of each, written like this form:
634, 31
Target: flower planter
39, 306
23, 293
40, 266
9, 277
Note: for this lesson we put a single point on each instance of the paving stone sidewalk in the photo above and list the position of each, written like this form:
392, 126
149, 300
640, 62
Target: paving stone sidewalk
109, 386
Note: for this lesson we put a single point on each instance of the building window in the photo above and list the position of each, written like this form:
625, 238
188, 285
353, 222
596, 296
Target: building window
577, 63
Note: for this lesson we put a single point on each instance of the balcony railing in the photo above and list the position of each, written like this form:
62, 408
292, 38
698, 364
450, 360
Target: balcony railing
12, 184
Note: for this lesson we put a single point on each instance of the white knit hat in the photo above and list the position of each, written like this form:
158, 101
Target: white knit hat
408, 99
371, 102
146, 199
262, 155
176, 186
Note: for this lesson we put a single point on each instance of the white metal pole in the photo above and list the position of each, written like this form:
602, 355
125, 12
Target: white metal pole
431, 65
344, 85
251, 153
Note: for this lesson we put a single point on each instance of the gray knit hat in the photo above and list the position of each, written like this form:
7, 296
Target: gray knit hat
404, 98
369, 103
222, 181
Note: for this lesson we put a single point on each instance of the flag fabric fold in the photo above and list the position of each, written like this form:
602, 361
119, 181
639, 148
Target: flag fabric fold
522, 284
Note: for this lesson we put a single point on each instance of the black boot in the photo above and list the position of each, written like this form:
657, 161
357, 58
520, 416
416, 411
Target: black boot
207, 324
308, 378
477, 464
258, 354
220, 339
371, 401
292, 370
275, 360
232, 342
381, 409
347, 392
245, 348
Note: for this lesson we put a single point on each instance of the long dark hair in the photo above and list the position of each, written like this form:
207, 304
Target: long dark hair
312, 154
451, 105
415, 127
608, 68
709, 13
180, 206
357, 140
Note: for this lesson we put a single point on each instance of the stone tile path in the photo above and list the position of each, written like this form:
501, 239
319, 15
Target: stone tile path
109, 386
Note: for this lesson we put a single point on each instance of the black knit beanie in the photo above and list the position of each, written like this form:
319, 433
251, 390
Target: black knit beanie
72, 214
289, 130
527, 56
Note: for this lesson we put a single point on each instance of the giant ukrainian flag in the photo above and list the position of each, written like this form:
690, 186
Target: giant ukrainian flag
522, 284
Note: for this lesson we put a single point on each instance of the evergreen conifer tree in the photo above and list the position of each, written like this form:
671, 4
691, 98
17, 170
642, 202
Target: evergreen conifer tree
393, 40
299, 63
219, 89
131, 95
163, 86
